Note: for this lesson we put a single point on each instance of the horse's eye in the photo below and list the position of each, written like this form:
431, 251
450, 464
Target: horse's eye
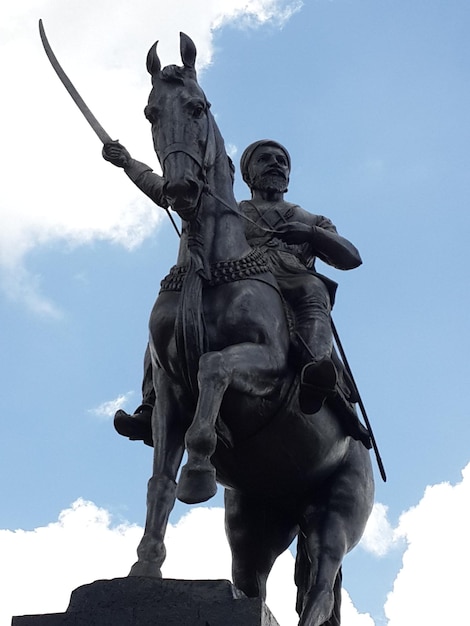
198, 111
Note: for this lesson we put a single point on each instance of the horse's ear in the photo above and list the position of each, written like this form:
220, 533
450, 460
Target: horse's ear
153, 62
188, 51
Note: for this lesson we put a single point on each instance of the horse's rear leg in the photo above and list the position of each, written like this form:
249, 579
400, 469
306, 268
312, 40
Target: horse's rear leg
331, 531
246, 367
168, 428
326, 550
257, 533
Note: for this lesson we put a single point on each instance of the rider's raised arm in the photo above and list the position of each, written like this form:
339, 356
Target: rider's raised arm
141, 174
147, 181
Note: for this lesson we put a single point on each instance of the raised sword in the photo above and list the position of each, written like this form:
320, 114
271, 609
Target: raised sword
65, 80
77, 98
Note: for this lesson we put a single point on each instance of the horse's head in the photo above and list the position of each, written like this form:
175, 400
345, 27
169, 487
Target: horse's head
182, 128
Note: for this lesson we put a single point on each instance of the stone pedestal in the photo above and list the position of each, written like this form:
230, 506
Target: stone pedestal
136, 601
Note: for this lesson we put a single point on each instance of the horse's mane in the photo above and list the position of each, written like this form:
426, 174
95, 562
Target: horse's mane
173, 74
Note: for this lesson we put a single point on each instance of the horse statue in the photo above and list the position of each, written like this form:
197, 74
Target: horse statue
226, 388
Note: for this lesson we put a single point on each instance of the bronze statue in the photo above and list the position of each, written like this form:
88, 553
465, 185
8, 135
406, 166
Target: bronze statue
226, 372
238, 328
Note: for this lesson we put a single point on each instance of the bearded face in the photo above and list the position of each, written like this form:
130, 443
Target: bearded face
271, 182
269, 170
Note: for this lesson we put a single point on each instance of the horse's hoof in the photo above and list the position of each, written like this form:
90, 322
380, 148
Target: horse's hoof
196, 485
146, 568
318, 608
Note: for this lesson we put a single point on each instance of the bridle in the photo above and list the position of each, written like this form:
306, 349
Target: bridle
204, 166
180, 147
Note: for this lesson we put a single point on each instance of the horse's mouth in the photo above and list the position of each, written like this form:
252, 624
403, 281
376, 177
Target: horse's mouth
184, 199
185, 207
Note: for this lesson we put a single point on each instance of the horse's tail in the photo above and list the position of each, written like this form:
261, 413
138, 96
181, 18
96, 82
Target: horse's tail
305, 574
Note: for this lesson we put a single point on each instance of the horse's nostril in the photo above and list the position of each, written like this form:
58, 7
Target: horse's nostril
193, 187
184, 189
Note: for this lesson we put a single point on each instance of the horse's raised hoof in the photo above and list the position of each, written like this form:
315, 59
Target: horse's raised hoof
196, 484
145, 568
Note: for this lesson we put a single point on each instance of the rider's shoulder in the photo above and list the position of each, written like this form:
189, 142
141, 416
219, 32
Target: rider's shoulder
302, 215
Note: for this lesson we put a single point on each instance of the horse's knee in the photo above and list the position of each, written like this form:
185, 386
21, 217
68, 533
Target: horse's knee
212, 368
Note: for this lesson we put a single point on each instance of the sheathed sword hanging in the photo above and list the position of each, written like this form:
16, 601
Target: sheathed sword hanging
91, 119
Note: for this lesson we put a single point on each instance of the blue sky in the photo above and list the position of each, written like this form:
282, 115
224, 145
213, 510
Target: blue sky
371, 97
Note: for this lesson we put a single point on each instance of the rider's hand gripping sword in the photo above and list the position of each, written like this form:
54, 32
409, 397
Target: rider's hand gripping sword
90, 118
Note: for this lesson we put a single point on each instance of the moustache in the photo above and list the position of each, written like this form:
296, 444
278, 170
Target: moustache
274, 171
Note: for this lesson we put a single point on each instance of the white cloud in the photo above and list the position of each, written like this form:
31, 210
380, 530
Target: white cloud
379, 537
55, 185
350, 615
432, 586
39, 568
84, 545
21, 286
232, 150
108, 409
257, 12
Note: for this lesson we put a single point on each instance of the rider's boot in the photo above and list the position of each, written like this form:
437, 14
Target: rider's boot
317, 382
137, 427
320, 381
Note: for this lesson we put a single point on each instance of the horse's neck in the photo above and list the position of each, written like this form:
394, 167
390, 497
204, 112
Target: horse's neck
227, 229
218, 232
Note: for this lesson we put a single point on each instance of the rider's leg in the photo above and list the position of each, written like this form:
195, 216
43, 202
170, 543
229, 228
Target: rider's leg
322, 373
310, 300
312, 310
257, 533
137, 426
148, 388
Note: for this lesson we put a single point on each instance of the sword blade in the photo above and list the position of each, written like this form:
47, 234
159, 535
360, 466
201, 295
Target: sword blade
90, 118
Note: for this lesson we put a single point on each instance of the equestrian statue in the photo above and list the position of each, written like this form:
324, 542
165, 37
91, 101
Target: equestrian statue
241, 370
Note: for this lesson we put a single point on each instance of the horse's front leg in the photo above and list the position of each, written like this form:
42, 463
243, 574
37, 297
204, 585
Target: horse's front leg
168, 426
246, 367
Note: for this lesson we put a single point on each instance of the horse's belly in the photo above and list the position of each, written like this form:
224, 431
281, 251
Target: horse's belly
289, 457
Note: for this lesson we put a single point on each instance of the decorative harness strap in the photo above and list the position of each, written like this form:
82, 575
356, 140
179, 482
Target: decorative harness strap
253, 265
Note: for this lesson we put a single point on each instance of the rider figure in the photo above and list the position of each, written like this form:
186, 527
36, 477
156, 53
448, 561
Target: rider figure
291, 238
